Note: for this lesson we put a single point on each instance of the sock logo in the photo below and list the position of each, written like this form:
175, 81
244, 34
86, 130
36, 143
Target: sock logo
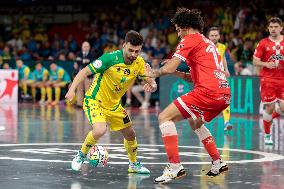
135, 149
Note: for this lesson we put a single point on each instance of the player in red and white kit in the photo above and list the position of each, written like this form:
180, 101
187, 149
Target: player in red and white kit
269, 55
211, 93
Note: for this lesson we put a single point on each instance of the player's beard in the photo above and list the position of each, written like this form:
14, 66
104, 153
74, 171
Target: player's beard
131, 58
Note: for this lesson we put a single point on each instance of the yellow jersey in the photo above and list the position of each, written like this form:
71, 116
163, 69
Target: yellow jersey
113, 78
221, 49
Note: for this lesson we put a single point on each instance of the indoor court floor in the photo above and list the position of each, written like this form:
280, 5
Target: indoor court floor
37, 144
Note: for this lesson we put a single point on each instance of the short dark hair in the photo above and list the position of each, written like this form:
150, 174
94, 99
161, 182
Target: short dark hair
185, 18
275, 20
213, 28
134, 38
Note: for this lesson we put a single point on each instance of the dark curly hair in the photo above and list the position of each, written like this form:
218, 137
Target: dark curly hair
185, 18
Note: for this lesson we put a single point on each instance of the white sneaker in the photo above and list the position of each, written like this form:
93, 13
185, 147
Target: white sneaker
78, 161
218, 167
170, 174
268, 139
137, 168
41, 102
144, 105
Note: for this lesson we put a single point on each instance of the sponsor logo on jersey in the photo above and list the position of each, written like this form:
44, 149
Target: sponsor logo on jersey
97, 64
220, 75
276, 57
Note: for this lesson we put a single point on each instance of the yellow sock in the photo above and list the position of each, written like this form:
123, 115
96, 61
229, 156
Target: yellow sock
57, 93
25, 88
49, 94
88, 143
43, 93
226, 114
34, 93
131, 149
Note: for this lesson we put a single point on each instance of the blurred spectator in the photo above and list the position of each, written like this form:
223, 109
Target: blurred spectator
6, 66
243, 55
84, 57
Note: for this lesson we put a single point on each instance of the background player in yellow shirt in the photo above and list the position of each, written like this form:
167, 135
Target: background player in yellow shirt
40, 78
25, 77
115, 73
58, 79
214, 36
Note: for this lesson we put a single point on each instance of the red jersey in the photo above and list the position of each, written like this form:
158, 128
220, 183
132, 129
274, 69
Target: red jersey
206, 67
271, 51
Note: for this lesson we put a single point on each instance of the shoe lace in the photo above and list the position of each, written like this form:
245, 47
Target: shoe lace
167, 170
80, 157
138, 164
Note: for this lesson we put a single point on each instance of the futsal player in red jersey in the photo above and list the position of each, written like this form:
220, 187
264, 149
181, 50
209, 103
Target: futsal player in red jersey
209, 97
269, 56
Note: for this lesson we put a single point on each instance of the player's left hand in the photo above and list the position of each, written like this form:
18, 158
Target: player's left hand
70, 95
150, 87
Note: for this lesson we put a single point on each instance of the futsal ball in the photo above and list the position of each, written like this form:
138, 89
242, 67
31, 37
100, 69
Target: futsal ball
97, 156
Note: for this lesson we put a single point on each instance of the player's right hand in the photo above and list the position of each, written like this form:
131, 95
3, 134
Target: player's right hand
70, 95
271, 65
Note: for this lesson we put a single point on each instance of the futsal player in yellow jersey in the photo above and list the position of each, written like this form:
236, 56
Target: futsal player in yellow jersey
214, 36
115, 73
25, 77
40, 78
58, 78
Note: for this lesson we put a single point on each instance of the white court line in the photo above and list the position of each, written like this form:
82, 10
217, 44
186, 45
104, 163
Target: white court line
267, 156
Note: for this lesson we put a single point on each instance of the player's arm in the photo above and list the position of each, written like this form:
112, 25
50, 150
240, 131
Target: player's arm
257, 62
169, 68
225, 64
97, 66
183, 75
81, 76
151, 85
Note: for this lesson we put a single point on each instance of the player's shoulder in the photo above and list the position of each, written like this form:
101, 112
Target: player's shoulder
221, 45
264, 41
114, 56
140, 59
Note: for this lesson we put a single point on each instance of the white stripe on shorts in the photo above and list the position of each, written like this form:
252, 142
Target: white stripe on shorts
183, 105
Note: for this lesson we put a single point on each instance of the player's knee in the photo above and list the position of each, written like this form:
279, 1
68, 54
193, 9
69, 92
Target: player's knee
162, 117
280, 109
131, 135
99, 132
168, 128
269, 108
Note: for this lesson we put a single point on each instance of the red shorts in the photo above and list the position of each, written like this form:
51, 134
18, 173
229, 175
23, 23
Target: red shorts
271, 90
198, 104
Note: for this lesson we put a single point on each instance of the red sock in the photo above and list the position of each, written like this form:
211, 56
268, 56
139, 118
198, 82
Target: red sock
266, 126
171, 147
210, 146
275, 115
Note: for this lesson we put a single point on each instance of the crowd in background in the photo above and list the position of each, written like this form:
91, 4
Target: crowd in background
241, 26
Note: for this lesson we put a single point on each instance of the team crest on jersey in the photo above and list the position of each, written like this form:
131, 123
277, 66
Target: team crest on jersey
97, 64
180, 46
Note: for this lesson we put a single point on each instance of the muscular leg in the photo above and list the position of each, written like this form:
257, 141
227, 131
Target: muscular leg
267, 117
167, 119
130, 143
99, 129
205, 137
